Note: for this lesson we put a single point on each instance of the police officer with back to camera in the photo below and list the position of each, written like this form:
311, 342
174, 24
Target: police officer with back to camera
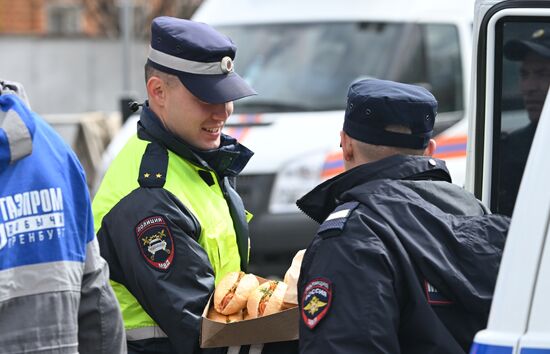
534, 55
169, 222
404, 261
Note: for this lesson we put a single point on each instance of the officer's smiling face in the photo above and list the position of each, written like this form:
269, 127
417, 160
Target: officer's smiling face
198, 123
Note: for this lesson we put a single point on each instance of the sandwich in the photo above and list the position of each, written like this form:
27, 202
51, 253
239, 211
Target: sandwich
291, 279
218, 317
266, 299
232, 292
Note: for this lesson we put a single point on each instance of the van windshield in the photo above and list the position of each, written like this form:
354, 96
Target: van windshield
309, 67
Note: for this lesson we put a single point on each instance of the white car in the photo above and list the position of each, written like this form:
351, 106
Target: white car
518, 321
301, 57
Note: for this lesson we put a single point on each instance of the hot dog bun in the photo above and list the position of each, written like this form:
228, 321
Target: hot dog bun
232, 292
266, 299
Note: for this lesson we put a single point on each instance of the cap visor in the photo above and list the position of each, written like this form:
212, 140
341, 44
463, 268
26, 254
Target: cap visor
216, 88
517, 50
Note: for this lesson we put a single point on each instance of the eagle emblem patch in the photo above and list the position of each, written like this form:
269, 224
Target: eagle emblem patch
316, 301
155, 242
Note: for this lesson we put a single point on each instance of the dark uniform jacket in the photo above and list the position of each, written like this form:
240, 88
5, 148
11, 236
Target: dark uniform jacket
174, 298
403, 262
513, 157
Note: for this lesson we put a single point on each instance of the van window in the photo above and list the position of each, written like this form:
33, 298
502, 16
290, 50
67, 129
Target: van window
522, 80
309, 67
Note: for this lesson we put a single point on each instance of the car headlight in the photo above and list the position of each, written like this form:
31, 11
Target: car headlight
300, 176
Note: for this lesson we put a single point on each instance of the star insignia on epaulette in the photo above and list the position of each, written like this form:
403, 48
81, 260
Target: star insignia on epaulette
159, 175
146, 175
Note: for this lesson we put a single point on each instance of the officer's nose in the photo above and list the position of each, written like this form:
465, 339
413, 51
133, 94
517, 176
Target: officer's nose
222, 111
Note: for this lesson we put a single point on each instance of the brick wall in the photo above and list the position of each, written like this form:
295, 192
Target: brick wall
22, 17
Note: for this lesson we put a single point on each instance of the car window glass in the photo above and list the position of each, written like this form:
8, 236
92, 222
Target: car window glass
444, 69
521, 85
309, 67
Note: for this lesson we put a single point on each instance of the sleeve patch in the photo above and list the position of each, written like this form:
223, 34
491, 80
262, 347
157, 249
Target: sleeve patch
434, 296
338, 218
316, 301
155, 242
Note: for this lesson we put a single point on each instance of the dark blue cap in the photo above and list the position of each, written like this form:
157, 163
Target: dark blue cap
201, 57
375, 104
538, 43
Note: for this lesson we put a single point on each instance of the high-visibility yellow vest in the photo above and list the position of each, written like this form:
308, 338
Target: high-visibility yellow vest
206, 203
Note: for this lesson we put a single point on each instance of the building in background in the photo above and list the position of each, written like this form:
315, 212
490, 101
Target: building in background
77, 63
90, 18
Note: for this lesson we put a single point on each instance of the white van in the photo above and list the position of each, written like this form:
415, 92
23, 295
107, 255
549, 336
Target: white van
518, 321
301, 56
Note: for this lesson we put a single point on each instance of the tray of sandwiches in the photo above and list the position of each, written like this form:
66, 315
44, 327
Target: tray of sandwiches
248, 309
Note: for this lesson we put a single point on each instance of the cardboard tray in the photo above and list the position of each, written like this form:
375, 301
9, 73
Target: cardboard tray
278, 327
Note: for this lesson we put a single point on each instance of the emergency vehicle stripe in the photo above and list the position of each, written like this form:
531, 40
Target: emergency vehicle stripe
535, 351
448, 147
250, 118
238, 133
40, 278
333, 165
478, 348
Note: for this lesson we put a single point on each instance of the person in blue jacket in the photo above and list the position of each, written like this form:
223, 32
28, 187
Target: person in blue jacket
404, 261
55, 295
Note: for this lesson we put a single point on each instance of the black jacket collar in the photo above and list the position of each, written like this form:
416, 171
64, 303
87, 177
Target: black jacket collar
228, 160
324, 198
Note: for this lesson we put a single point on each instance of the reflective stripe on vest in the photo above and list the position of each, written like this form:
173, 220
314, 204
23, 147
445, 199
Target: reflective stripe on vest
207, 203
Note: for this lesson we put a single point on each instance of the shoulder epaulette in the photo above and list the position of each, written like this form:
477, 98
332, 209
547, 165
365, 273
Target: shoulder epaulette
153, 167
338, 218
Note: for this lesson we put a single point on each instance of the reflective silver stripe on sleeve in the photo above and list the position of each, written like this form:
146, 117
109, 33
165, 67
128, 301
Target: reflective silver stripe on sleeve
145, 333
188, 66
40, 278
18, 135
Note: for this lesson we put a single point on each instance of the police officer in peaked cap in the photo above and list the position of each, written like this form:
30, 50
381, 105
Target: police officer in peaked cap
533, 54
168, 220
404, 261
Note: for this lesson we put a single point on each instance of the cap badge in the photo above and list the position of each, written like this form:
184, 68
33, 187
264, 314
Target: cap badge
538, 33
226, 65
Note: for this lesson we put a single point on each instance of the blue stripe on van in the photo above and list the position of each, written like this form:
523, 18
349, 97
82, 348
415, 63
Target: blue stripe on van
490, 349
535, 351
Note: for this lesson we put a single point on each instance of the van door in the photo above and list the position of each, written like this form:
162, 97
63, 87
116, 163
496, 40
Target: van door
508, 165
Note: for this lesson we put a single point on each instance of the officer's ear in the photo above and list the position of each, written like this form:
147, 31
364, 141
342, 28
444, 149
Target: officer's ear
430, 149
156, 91
347, 147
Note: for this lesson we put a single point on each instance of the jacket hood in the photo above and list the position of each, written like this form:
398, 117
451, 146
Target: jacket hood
16, 124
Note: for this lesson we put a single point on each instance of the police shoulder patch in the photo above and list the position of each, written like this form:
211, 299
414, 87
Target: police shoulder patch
155, 242
316, 301
434, 296
338, 218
